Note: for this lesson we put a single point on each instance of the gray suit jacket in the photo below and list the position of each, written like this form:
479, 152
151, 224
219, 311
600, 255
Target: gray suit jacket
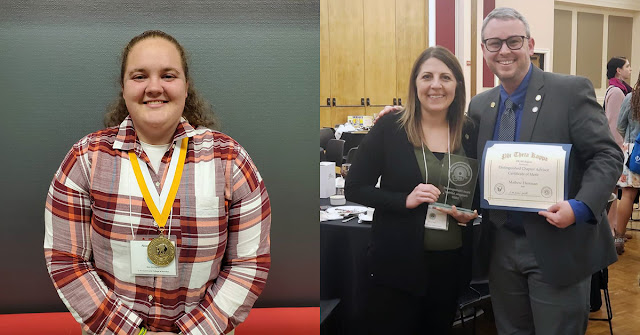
566, 112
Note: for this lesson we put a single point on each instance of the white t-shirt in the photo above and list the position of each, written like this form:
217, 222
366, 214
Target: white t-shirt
155, 153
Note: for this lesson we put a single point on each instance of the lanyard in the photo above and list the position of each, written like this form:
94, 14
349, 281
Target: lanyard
426, 171
165, 199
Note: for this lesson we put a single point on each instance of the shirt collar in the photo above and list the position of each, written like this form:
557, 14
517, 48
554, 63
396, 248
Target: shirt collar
126, 138
520, 93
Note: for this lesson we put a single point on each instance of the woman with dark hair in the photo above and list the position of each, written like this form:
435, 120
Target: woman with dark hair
618, 74
416, 271
628, 127
157, 224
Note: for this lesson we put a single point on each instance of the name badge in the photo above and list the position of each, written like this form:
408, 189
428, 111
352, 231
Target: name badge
141, 265
436, 219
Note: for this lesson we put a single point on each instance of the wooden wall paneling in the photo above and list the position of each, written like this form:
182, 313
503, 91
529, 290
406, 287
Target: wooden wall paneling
325, 61
325, 117
325, 66
411, 39
339, 115
368, 49
346, 34
380, 52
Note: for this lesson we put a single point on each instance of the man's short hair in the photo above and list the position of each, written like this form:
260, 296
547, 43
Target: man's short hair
505, 13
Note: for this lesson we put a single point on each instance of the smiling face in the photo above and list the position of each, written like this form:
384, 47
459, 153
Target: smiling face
510, 66
154, 88
435, 86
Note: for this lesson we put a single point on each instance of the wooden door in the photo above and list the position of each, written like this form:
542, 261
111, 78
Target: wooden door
411, 36
325, 62
379, 53
325, 66
346, 51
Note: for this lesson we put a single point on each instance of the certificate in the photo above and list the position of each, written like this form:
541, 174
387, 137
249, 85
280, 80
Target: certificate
526, 177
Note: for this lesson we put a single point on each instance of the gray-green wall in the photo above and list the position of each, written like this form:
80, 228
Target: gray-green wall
257, 62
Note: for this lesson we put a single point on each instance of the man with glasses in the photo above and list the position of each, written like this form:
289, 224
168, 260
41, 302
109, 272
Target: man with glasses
540, 264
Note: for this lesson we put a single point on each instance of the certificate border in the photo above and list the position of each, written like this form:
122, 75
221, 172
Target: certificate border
484, 204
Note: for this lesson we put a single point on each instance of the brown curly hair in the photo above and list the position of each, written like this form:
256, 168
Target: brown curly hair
197, 110
635, 101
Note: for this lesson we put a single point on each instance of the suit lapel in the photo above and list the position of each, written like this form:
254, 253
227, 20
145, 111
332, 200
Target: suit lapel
488, 120
532, 104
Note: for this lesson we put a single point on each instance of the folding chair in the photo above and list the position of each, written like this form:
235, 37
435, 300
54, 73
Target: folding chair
334, 151
602, 278
351, 155
476, 293
325, 135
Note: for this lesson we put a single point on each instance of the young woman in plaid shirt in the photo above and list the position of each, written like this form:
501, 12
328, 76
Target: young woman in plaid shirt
157, 174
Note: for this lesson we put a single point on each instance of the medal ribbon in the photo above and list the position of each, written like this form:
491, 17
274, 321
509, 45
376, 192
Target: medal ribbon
161, 218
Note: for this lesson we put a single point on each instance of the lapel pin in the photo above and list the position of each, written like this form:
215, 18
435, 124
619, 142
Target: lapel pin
466, 136
538, 97
535, 109
493, 104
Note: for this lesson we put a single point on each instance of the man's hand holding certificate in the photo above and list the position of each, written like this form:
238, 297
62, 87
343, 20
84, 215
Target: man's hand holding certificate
560, 215
526, 177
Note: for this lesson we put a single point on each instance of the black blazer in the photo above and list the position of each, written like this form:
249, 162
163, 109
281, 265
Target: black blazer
397, 242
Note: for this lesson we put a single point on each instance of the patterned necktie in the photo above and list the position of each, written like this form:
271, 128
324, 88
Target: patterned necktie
507, 122
506, 132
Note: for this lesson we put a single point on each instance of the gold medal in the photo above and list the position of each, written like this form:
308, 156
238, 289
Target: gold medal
161, 251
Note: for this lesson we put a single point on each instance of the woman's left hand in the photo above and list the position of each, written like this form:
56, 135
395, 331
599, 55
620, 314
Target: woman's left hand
462, 217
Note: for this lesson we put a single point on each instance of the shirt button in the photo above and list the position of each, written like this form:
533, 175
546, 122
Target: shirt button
150, 297
157, 184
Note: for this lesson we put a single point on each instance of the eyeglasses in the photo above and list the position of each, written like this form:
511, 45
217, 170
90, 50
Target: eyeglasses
513, 43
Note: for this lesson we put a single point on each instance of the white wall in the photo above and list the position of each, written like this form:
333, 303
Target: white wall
539, 14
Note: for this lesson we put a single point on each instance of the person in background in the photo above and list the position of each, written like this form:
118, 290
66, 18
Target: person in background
628, 127
619, 74
416, 272
157, 224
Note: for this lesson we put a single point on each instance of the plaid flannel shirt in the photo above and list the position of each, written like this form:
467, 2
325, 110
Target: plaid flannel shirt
221, 220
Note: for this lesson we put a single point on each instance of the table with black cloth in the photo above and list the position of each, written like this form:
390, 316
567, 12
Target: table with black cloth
343, 272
